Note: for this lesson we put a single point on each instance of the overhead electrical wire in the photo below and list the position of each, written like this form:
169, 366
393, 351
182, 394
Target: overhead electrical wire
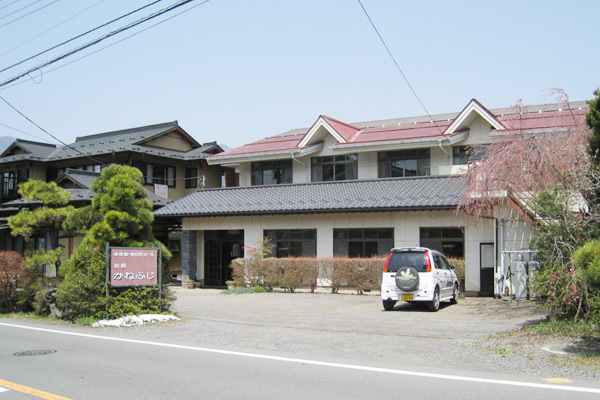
98, 40
80, 35
398, 66
48, 133
20, 9
8, 5
29, 13
110, 45
51, 28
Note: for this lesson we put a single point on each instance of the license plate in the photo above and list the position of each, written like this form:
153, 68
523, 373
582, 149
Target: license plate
408, 297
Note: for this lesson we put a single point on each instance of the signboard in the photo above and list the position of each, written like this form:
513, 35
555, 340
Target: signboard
133, 266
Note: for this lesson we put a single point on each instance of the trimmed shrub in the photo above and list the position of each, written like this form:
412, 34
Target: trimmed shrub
459, 263
292, 273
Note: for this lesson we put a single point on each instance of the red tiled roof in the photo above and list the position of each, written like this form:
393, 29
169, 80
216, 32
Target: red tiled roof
401, 132
344, 129
273, 144
546, 120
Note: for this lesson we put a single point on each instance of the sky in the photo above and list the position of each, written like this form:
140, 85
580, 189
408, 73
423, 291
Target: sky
236, 71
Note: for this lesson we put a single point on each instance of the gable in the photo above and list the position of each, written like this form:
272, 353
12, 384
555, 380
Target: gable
172, 140
473, 111
327, 126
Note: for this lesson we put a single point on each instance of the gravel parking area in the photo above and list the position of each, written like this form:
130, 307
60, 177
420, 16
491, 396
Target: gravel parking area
351, 328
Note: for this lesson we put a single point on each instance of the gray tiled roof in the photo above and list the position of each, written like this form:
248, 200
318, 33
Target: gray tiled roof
131, 140
373, 195
34, 151
126, 140
83, 178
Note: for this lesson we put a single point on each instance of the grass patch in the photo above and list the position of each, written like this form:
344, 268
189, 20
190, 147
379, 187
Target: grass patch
564, 328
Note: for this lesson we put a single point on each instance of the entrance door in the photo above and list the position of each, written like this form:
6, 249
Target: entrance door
486, 277
220, 248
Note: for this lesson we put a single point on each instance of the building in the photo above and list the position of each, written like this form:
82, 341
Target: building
173, 164
360, 189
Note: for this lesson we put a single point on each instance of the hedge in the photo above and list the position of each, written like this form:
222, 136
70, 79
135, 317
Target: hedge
362, 274
292, 273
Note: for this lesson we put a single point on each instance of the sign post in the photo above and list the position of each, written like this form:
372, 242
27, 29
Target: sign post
133, 267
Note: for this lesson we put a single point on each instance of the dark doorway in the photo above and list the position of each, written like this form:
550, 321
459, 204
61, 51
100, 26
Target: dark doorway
220, 248
487, 259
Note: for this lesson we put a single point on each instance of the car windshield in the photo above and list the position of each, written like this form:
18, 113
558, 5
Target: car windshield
415, 259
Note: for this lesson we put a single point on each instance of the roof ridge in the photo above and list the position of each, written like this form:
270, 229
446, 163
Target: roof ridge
128, 130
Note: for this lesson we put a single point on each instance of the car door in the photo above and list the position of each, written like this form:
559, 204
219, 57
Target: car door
443, 275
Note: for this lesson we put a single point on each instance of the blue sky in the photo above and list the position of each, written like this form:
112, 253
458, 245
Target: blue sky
236, 71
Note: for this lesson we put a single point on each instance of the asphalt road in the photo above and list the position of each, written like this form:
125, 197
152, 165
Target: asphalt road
230, 346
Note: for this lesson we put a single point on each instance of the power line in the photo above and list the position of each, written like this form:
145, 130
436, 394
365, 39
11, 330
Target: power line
20, 9
107, 46
8, 5
398, 66
24, 133
55, 26
48, 133
28, 14
80, 35
98, 40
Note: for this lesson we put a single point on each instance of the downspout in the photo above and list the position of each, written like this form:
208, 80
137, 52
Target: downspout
442, 147
504, 286
293, 153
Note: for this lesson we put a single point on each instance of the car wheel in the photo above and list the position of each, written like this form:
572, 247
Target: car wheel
407, 279
388, 305
455, 294
434, 304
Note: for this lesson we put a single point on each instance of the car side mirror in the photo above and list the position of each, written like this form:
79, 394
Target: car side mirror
452, 266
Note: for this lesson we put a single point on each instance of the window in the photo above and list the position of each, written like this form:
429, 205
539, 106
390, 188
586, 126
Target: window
402, 163
334, 168
362, 242
191, 178
449, 241
462, 155
271, 172
293, 242
10, 182
159, 174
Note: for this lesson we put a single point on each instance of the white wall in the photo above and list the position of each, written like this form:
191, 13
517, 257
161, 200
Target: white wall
406, 231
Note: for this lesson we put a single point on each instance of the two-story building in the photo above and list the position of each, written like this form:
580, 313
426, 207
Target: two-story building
173, 164
340, 189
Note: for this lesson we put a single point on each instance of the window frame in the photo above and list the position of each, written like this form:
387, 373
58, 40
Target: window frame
351, 238
334, 166
386, 160
289, 238
284, 168
191, 177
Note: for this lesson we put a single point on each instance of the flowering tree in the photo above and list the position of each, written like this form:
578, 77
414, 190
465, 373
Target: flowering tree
518, 161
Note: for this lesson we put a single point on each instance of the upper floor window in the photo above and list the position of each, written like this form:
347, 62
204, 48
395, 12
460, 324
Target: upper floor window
273, 172
191, 178
334, 168
462, 155
402, 163
10, 182
157, 174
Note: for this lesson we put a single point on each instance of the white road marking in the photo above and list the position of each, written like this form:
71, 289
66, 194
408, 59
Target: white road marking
3, 389
321, 363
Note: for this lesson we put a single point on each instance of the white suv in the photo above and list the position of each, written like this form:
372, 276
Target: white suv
418, 274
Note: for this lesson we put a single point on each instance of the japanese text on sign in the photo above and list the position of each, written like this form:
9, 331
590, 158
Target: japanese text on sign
133, 267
